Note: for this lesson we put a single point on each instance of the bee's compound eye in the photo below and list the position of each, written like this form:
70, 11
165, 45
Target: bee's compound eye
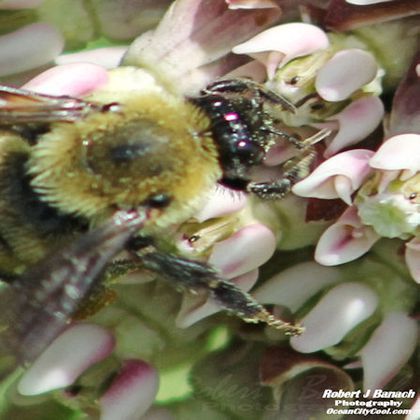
159, 201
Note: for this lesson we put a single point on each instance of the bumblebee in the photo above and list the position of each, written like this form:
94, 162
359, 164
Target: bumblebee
82, 180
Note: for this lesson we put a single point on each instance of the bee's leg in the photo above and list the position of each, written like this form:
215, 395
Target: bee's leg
294, 140
297, 141
194, 275
102, 294
294, 170
241, 85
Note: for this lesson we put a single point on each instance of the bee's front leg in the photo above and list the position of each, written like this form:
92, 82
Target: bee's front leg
294, 170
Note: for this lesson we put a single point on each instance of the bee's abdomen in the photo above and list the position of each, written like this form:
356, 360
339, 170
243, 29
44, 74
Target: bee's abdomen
28, 225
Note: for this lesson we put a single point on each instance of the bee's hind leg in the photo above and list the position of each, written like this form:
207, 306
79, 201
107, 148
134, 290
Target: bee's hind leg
194, 275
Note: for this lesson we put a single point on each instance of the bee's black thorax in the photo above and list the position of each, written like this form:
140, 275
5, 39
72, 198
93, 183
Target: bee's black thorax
236, 129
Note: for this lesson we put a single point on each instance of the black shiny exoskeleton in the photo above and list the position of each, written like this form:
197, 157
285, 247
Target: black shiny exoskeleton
244, 131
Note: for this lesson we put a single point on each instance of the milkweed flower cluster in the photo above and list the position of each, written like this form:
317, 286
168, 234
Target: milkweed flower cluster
340, 254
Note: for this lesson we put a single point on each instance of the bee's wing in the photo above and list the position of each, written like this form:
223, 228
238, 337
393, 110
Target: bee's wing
23, 106
36, 307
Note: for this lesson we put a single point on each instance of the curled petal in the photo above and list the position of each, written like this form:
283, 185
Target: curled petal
67, 357
20, 4
295, 285
346, 72
366, 2
345, 240
244, 251
76, 79
356, 121
222, 201
29, 47
252, 4
279, 45
338, 177
194, 308
388, 349
108, 57
131, 393
401, 152
336, 314
412, 258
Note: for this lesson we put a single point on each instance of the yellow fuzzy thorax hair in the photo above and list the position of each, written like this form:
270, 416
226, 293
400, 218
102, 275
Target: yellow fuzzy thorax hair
156, 143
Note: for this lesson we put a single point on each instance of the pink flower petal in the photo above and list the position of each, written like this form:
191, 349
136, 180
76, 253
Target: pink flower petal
69, 79
401, 152
345, 240
336, 314
412, 258
252, 4
346, 72
252, 69
193, 34
67, 357
131, 393
295, 285
388, 349
366, 2
201, 76
221, 202
338, 177
20, 4
356, 122
194, 309
29, 47
108, 57
244, 251
279, 153
287, 41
